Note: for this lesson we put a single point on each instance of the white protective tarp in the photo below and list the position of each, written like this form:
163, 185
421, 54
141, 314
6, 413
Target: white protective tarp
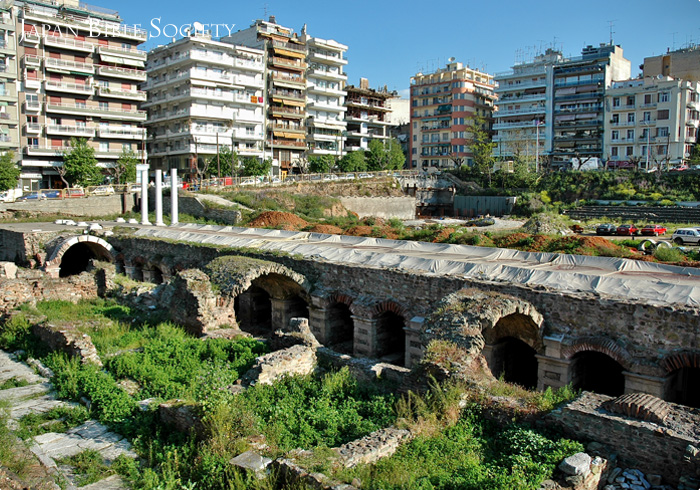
623, 278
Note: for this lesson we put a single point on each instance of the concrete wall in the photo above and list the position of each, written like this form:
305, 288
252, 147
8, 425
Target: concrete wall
381, 207
93, 206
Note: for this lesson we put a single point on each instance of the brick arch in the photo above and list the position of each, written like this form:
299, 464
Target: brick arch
339, 298
602, 345
387, 306
100, 247
679, 360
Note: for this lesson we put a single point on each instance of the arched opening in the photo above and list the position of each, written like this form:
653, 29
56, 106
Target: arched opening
391, 338
138, 272
78, 258
683, 387
597, 372
253, 310
342, 328
514, 361
154, 275
297, 307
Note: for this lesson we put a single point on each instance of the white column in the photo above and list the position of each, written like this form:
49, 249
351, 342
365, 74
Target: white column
174, 217
144, 196
159, 198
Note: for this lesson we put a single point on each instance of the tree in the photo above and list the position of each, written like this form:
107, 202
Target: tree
694, 158
376, 155
9, 172
395, 155
254, 167
321, 164
353, 161
124, 169
80, 165
482, 148
226, 163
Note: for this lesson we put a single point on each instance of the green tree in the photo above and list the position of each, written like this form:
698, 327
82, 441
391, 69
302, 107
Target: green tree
395, 155
9, 172
353, 161
80, 165
694, 158
124, 169
376, 155
254, 167
482, 148
227, 163
321, 164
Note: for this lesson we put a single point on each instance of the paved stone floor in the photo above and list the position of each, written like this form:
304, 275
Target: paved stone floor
52, 446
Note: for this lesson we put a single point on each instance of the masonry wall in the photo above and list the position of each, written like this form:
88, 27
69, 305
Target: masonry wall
381, 207
197, 208
93, 206
647, 332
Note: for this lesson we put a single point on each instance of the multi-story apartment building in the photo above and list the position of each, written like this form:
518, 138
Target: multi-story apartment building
444, 105
681, 63
325, 96
79, 71
578, 109
203, 94
368, 115
9, 115
285, 103
651, 122
524, 107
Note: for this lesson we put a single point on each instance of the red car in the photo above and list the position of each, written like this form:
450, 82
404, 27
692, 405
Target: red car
627, 230
653, 230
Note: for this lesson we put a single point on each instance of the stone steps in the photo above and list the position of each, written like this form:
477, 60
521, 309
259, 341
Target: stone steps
39, 398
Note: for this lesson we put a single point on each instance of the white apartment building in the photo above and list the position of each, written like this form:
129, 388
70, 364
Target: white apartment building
524, 107
9, 116
203, 94
651, 122
325, 96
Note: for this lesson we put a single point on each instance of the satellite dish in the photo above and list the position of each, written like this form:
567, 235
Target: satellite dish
198, 27
452, 59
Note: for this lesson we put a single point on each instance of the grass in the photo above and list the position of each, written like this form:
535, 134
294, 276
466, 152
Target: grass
14, 383
58, 419
88, 466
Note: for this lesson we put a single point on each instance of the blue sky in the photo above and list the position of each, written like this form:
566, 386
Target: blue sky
389, 41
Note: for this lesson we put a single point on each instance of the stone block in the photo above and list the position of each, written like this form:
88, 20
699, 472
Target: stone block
578, 464
251, 461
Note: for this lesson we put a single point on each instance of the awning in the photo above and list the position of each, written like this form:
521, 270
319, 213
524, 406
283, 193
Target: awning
203, 83
294, 103
121, 61
292, 54
328, 126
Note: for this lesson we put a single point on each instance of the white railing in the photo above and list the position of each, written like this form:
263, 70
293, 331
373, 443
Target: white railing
68, 43
69, 65
62, 129
69, 87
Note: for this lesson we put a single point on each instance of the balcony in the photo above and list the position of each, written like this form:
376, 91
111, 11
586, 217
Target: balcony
522, 98
32, 105
71, 88
122, 94
30, 60
122, 133
328, 59
30, 38
46, 151
247, 81
280, 94
519, 124
326, 106
288, 128
519, 112
577, 83
290, 64
118, 72
64, 66
33, 128
279, 77
328, 75
34, 83
248, 64
62, 130
288, 111
65, 43
84, 109
247, 118
120, 51
6, 141
6, 118
8, 94
296, 48
289, 144
520, 86
8, 71
114, 154
522, 72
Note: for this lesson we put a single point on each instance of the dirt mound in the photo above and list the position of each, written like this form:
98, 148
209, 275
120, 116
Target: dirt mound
278, 219
443, 235
329, 229
543, 224
359, 231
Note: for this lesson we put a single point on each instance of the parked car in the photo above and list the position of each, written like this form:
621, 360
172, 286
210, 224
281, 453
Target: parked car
36, 195
653, 230
365, 176
686, 235
103, 190
627, 230
606, 229
248, 181
134, 187
74, 192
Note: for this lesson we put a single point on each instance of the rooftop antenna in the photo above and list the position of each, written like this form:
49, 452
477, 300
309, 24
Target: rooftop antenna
612, 24
265, 11
674, 40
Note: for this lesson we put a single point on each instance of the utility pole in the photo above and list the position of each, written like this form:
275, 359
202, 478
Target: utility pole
537, 146
218, 162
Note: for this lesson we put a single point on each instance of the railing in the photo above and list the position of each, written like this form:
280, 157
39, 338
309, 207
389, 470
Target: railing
69, 65
517, 100
297, 144
93, 108
118, 71
289, 46
69, 87
514, 112
286, 62
287, 110
578, 83
30, 59
32, 105
122, 50
33, 127
68, 43
285, 127
131, 94
540, 70
287, 78
517, 86
61, 129
288, 95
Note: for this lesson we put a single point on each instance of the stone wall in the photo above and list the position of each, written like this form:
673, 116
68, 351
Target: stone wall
92, 206
16, 292
659, 449
27, 248
197, 208
66, 338
295, 360
381, 207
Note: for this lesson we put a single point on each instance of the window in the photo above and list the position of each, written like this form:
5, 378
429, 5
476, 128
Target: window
630, 151
630, 134
630, 101
661, 150
661, 132
647, 99
645, 133
644, 150
647, 116
664, 97
630, 117
104, 106
613, 151
615, 135
662, 114
616, 102
104, 146
615, 119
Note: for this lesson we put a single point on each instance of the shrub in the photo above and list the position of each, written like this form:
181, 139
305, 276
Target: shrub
669, 254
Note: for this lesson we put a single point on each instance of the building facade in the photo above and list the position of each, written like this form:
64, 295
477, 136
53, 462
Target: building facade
651, 123
9, 109
79, 71
681, 63
325, 96
524, 108
202, 95
444, 105
368, 115
579, 86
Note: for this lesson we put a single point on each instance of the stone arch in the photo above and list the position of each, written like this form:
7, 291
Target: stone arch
683, 378
390, 337
77, 251
598, 364
340, 322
